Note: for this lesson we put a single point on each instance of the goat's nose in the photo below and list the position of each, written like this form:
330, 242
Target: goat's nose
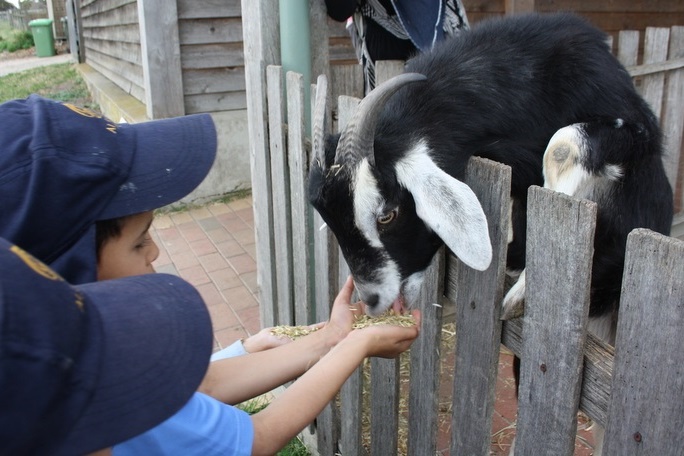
372, 300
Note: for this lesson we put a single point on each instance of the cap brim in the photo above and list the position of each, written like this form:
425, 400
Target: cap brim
171, 158
156, 341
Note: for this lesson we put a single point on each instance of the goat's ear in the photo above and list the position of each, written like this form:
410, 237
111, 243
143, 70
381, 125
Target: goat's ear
451, 209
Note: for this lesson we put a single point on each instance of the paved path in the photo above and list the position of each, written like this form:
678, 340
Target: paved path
17, 65
213, 248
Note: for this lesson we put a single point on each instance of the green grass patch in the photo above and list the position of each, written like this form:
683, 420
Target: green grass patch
182, 207
57, 82
12, 40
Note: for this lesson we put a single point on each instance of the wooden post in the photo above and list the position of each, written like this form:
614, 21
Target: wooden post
477, 296
160, 48
645, 412
478, 308
76, 46
260, 27
558, 276
424, 372
282, 309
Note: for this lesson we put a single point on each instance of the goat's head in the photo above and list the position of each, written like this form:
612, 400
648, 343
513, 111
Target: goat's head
390, 217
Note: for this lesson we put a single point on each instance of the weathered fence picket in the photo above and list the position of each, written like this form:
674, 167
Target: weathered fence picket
635, 389
280, 184
560, 247
646, 412
351, 402
474, 292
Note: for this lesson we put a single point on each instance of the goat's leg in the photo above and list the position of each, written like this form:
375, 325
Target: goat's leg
514, 301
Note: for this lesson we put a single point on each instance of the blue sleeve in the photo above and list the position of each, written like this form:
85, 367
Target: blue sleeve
203, 427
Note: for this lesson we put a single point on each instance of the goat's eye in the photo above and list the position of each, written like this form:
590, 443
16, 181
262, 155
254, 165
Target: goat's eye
384, 219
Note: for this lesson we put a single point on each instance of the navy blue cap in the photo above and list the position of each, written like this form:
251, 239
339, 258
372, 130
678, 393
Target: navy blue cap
85, 367
63, 167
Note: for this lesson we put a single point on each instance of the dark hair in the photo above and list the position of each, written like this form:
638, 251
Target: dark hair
106, 230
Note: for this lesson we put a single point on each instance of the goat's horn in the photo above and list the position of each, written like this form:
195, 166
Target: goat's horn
318, 121
356, 141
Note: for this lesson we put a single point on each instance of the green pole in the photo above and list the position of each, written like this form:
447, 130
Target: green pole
295, 47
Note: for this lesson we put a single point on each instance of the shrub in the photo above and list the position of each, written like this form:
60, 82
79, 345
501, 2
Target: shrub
16, 41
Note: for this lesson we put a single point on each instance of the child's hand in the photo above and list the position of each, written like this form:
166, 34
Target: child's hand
343, 312
264, 340
388, 341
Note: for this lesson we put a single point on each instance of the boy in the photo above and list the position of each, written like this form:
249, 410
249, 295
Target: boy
75, 169
62, 168
206, 426
125, 247
76, 361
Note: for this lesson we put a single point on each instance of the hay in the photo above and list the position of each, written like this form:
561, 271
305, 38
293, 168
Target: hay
293, 332
363, 321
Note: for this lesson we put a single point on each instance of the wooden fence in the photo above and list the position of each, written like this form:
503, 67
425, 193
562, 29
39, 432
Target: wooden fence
14, 19
19, 19
635, 389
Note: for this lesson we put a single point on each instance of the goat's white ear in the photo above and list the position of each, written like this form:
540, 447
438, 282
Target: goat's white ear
451, 209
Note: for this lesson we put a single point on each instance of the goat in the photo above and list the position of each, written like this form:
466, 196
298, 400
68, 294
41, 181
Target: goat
540, 93
389, 186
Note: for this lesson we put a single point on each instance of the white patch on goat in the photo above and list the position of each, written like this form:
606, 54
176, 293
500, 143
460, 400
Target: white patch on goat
564, 172
368, 203
387, 286
515, 296
604, 327
411, 288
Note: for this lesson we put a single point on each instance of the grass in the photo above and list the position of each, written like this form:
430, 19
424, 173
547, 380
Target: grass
295, 447
58, 82
12, 40
225, 198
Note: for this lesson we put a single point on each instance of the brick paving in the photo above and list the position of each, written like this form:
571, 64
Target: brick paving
213, 248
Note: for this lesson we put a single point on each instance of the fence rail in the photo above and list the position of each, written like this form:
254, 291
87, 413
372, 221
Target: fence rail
635, 389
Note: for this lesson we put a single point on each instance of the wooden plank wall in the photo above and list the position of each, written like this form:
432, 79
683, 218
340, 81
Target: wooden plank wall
111, 36
211, 50
212, 55
609, 16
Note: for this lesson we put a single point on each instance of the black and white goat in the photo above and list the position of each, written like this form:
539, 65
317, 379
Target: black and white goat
540, 93
389, 186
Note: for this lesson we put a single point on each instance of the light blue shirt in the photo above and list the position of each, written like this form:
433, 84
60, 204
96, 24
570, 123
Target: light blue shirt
203, 427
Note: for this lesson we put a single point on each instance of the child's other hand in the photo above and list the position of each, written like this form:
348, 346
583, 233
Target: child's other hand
264, 340
343, 312
388, 341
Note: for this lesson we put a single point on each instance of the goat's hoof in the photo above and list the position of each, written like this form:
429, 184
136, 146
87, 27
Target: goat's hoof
513, 310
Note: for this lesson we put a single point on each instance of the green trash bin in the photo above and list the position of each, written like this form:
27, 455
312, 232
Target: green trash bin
42, 37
